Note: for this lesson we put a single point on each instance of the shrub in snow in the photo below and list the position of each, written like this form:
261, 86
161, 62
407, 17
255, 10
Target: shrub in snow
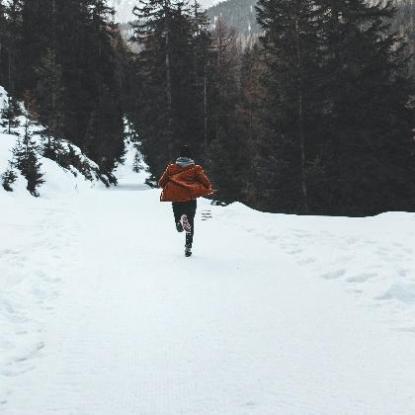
52, 148
70, 157
8, 178
66, 156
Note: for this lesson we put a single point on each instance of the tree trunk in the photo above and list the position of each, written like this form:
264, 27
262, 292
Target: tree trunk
300, 114
169, 95
205, 109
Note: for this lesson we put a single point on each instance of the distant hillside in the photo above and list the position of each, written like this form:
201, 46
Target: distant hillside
239, 14
124, 8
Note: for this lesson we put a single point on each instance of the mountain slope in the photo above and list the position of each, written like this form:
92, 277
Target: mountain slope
238, 14
124, 8
241, 15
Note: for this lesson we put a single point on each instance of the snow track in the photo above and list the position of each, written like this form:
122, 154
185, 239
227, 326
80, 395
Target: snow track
273, 314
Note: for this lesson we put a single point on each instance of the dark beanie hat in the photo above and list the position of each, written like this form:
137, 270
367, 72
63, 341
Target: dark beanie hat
186, 152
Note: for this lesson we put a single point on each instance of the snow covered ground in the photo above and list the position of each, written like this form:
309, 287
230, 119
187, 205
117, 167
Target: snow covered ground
100, 313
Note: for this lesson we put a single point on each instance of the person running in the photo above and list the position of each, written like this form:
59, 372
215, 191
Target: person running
183, 182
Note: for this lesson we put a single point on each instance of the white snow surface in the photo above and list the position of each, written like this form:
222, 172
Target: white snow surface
101, 313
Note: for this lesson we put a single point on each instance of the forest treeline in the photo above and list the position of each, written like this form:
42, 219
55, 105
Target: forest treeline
65, 60
312, 116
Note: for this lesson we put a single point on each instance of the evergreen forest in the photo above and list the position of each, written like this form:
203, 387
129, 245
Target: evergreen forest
291, 106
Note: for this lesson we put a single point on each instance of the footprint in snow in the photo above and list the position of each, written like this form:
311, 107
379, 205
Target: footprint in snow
30, 354
360, 278
404, 272
307, 261
206, 215
9, 252
11, 314
405, 329
15, 373
352, 241
295, 251
334, 274
356, 291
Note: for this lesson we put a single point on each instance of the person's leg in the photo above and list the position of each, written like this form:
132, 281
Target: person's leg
190, 211
178, 212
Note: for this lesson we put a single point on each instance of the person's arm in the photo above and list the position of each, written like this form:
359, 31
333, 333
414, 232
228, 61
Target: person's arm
165, 178
202, 178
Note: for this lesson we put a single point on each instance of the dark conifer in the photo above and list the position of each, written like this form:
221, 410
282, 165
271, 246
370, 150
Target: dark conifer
3, 43
227, 157
9, 116
293, 82
258, 180
170, 109
26, 155
337, 90
370, 137
11, 44
8, 178
202, 52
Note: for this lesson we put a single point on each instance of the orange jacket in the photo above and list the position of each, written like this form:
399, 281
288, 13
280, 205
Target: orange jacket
182, 184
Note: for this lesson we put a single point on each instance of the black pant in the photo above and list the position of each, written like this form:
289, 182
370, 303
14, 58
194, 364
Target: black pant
188, 209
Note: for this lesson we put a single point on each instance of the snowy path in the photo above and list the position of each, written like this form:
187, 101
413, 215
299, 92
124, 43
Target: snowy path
119, 322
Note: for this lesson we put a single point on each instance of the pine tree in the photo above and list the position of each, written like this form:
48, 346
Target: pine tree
293, 82
337, 89
3, 36
9, 177
37, 34
11, 42
227, 155
67, 59
250, 115
170, 112
50, 93
27, 162
370, 138
9, 116
202, 51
